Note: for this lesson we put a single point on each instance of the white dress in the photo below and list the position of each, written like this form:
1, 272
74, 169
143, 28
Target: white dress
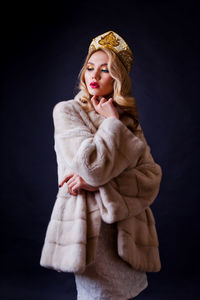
109, 277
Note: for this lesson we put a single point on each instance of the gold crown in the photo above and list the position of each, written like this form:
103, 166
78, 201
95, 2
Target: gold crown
116, 43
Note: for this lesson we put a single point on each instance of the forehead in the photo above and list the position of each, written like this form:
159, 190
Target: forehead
98, 57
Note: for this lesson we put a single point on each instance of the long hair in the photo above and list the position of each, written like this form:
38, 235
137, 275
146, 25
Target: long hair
121, 86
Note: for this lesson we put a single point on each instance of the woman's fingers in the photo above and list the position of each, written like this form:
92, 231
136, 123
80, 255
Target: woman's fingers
71, 180
66, 179
76, 189
75, 184
110, 100
94, 101
97, 100
72, 188
102, 101
106, 108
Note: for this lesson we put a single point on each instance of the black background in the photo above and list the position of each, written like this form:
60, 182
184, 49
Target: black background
43, 48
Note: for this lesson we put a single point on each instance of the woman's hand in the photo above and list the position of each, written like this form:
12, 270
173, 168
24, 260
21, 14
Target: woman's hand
76, 183
105, 107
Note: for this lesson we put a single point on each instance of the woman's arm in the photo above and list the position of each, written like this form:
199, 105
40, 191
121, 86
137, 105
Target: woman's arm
126, 195
95, 156
135, 189
130, 193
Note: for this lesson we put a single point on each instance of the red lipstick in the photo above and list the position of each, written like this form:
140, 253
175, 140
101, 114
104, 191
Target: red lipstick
94, 85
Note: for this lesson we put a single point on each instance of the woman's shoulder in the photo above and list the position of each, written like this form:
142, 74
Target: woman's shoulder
66, 106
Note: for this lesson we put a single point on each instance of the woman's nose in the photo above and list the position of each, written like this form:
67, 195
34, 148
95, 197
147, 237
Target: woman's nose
96, 75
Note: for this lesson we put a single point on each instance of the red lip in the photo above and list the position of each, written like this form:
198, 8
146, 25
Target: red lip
94, 85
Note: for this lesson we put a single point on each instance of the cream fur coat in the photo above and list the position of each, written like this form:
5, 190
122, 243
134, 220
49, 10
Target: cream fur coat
106, 154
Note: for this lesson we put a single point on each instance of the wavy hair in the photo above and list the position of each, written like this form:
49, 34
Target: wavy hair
121, 86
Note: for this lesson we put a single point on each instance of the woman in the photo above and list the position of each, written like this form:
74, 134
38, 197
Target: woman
102, 228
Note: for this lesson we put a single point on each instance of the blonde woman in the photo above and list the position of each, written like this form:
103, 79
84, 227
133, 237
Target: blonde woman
102, 228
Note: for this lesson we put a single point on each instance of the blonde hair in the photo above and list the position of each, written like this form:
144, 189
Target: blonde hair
121, 86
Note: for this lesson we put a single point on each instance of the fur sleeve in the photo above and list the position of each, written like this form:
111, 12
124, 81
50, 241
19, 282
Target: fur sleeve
96, 156
132, 191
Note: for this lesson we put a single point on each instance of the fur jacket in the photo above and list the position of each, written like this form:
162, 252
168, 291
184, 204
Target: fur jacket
107, 154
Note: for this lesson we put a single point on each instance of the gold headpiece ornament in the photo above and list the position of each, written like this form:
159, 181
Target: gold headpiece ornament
116, 43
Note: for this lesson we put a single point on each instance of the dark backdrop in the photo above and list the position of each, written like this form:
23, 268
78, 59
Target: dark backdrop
43, 48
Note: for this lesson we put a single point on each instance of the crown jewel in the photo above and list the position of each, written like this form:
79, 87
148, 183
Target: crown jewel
116, 43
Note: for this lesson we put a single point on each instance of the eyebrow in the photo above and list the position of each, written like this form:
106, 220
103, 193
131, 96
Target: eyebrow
90, 63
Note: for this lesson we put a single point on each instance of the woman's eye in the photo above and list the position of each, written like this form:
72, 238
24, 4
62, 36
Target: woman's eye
90, 68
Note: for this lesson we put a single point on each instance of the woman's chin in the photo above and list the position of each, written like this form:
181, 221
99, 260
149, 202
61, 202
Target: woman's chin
95, 93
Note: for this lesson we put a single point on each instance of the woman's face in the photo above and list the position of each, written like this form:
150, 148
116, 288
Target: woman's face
97, 77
